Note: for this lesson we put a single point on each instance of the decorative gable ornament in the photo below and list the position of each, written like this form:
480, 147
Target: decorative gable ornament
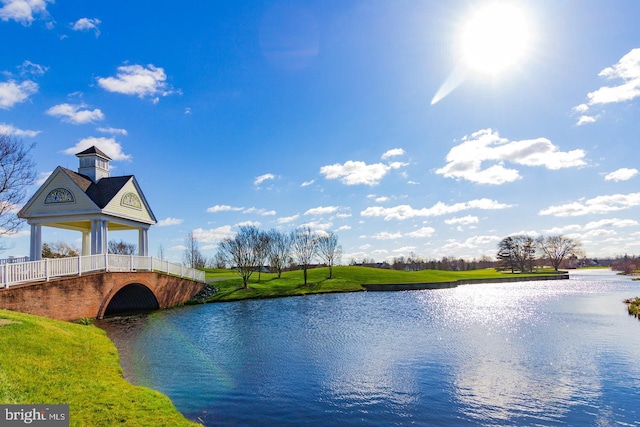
59, 195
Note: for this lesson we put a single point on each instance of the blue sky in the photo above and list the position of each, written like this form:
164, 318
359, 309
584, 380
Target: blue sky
396, 124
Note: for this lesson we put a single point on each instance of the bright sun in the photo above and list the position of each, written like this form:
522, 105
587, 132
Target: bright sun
495, 38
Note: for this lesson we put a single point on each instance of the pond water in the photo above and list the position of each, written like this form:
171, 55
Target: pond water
529, 353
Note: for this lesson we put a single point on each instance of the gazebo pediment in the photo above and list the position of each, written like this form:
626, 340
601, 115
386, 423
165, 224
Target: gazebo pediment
89, 201
59, 195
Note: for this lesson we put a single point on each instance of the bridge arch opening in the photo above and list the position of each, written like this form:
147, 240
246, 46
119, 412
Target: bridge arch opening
130, 299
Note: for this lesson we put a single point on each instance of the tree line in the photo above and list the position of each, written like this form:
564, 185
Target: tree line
524, 253
252, 249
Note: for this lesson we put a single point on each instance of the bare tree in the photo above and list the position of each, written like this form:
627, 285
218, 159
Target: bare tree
261, 250
121, 247
279, 250
506, 254
192, 256
17, 172
240, 252
304, 247
59, 250
329, 250
517, 252
219, 261
161, 252
557, 248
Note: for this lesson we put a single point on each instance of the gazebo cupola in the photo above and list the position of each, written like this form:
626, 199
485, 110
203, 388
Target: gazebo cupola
94, 164
89, 201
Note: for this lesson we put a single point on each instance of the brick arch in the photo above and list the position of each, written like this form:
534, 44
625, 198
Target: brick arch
73, 298
132, 297
168, 290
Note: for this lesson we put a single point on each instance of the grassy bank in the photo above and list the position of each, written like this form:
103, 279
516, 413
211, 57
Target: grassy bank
634, 306
45, 361
345, 279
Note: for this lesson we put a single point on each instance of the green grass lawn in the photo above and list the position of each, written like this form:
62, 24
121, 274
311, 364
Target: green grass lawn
46, 361
345, 279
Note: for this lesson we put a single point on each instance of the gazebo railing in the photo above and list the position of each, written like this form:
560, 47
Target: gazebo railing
16, 273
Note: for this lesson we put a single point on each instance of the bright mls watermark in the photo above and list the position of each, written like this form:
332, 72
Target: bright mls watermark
34, 415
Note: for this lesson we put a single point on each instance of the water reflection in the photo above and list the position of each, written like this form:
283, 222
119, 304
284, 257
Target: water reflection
522, 353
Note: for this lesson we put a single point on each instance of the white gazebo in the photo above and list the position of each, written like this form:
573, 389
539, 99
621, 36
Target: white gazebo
89, 201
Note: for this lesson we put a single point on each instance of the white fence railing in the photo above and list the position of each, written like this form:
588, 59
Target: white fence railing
15, 273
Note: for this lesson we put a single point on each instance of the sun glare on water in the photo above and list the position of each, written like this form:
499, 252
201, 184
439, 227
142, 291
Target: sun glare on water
493, 39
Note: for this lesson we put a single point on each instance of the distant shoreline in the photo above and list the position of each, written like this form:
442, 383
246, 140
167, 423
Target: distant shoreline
381, 287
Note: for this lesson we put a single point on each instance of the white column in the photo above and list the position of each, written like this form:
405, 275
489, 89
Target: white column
104, 234
94, 237
99, 236
143, 242
86, 243
35, 249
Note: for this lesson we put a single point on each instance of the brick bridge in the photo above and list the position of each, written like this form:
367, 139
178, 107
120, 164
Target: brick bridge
99, 294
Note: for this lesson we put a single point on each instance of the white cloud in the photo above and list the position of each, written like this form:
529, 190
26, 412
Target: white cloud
344, 227
403, 212
213, 234
7, 129
259, 211
169, 221
393, 152
398, 165
343, 215
385, 235
596, 205
262, 178
318, 226
307, 183
8, 207
422, 233
564, 229
465, 161
29, 68
582, 108
356, 172
137, 80
622, 174
222, 208
248, 224
12, 234
593, 225
405, 250
76, 114
470, 243
465, 220
582, 120
611, 222
113, 131
598, 233
627, 72
288, 219
12, 93
42, 177
322, 210
108, 146
87, 24
23, 11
